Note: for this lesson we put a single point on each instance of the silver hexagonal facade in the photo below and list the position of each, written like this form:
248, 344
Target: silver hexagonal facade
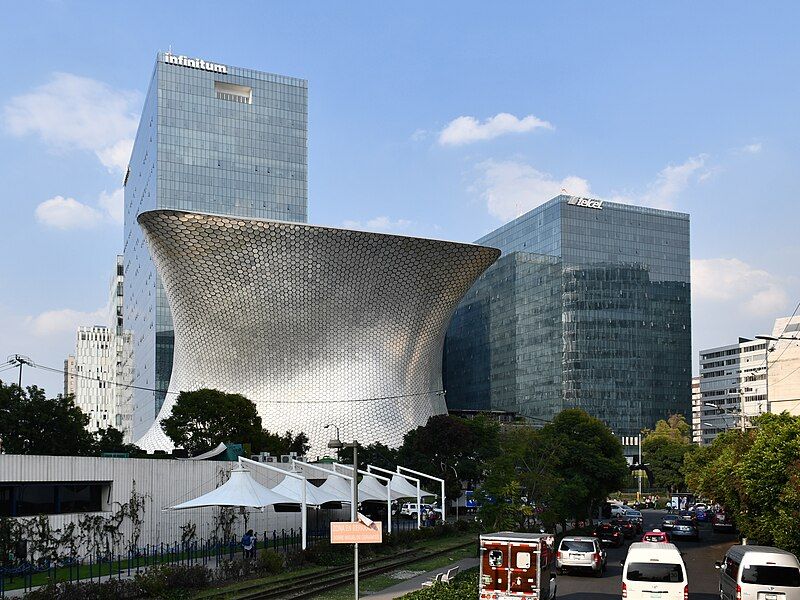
315, 325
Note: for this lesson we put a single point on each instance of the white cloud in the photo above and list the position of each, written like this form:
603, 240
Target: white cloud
419, 135
753, 148
382, 223
67, 213
71, 112
512, 188
670, 182
465, 130
64, 321
732, 283
113, 204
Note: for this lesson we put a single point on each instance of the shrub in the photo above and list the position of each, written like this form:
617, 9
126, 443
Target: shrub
269, 562
463, 587
113, 589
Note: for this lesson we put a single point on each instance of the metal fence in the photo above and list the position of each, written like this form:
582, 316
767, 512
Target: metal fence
28, 574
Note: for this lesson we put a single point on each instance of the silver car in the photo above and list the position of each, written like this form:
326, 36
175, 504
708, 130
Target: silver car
581, 553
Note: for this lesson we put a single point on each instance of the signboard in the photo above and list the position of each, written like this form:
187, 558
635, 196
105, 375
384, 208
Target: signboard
194, 63
585, 202
356, 533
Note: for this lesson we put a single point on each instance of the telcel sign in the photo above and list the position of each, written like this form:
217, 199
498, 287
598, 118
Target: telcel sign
586, 203
194, 63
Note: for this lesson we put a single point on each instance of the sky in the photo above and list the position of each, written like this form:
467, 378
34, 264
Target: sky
441, 119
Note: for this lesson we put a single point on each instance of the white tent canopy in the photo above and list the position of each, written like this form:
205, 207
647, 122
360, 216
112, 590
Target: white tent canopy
292, 489
405, 489
337, 487
240, 490
372, 489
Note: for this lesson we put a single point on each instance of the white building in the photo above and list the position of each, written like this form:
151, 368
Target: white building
99, 373
732, 388
697, 406
784, 366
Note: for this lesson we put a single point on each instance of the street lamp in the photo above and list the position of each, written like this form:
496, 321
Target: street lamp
337, 444
727, 411
767, 350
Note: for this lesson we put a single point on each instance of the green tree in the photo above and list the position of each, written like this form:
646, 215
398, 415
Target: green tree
756, 476
111, 440
203, 419
278, 445
450, 448
664, 450
31, 423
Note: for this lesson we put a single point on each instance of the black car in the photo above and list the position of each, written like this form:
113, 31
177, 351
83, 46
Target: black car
627, 527
722, 522
609, 533
685, 528
668, 521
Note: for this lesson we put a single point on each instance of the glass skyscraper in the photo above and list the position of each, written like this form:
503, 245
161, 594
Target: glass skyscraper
588, 307
212, 138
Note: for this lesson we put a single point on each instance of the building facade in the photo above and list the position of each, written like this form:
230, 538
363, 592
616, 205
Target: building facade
69, 376
697, 409
315, 325
784, 366
732, 388
212, 138
123, 353
95, 368
588, 307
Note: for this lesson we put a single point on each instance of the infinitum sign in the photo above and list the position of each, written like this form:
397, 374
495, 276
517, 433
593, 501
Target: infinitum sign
194, 63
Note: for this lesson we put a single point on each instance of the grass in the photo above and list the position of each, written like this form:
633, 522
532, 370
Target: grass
378, 583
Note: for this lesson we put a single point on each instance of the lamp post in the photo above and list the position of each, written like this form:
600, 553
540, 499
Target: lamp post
337, 444
727, 411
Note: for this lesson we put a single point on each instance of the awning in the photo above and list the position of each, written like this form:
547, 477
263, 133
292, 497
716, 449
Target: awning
338, 487
240, 490
291, 488
405, 488
372, 489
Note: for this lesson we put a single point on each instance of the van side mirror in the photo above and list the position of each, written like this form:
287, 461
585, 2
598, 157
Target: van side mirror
622, 564
718, 565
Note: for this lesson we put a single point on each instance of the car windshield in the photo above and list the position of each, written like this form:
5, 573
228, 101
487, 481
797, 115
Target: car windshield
771, 575
655, 572
670, 518
576, 546
634, 513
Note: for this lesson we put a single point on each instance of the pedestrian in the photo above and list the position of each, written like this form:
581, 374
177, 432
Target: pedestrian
249, 544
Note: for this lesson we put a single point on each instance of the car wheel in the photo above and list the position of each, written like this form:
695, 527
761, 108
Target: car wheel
599, 572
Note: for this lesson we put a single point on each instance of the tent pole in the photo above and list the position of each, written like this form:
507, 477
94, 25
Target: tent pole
303, 518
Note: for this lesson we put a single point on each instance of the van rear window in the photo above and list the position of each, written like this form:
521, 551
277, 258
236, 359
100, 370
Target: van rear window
655, 572
771, 575
576, 546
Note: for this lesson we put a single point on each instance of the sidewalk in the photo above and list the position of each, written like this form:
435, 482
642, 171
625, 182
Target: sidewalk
415, 583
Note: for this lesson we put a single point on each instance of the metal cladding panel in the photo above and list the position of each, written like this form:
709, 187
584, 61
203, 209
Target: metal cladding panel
315, 325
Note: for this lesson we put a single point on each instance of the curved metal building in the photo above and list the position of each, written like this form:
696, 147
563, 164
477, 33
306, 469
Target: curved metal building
315, 325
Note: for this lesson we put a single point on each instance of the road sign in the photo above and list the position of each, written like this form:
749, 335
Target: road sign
348, 532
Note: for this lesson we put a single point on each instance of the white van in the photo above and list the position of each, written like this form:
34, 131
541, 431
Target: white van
759, 573
654, 570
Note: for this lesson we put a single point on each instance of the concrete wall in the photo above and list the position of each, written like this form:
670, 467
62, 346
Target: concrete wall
165, 483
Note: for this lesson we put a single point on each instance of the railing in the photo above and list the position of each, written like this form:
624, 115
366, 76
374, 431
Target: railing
28, 574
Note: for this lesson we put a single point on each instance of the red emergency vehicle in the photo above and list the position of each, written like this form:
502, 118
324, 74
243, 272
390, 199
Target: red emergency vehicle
518, 566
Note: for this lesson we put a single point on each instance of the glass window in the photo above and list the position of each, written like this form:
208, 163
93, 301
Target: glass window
575, 546
655, 572
771, 575
495, 558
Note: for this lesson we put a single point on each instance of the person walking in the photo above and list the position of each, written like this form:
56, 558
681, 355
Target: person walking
249, 544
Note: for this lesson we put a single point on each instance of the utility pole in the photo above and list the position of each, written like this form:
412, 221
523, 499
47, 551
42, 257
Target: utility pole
20, 361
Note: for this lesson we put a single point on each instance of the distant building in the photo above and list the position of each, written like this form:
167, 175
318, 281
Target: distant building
697, 407
784, 366
69, 376
212, 138
732, 388
95, 358
589, 307
98, 375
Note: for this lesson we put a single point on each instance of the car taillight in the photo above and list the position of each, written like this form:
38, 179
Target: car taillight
738, 592
558, 555
686, 592
624, 590
596, 557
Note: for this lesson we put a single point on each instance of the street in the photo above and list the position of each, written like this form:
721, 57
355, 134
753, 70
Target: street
698, 556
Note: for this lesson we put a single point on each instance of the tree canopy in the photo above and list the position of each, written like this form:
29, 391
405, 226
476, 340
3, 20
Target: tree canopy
32, 423
664, 449
203, 419
756, 476
564, 470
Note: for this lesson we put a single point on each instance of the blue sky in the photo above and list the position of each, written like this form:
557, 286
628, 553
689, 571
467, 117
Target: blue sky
435, 119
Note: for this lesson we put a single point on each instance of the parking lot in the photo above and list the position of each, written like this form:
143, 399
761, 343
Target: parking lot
698, 556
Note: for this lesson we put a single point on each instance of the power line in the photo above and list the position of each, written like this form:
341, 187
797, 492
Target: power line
785, 327
136, 387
